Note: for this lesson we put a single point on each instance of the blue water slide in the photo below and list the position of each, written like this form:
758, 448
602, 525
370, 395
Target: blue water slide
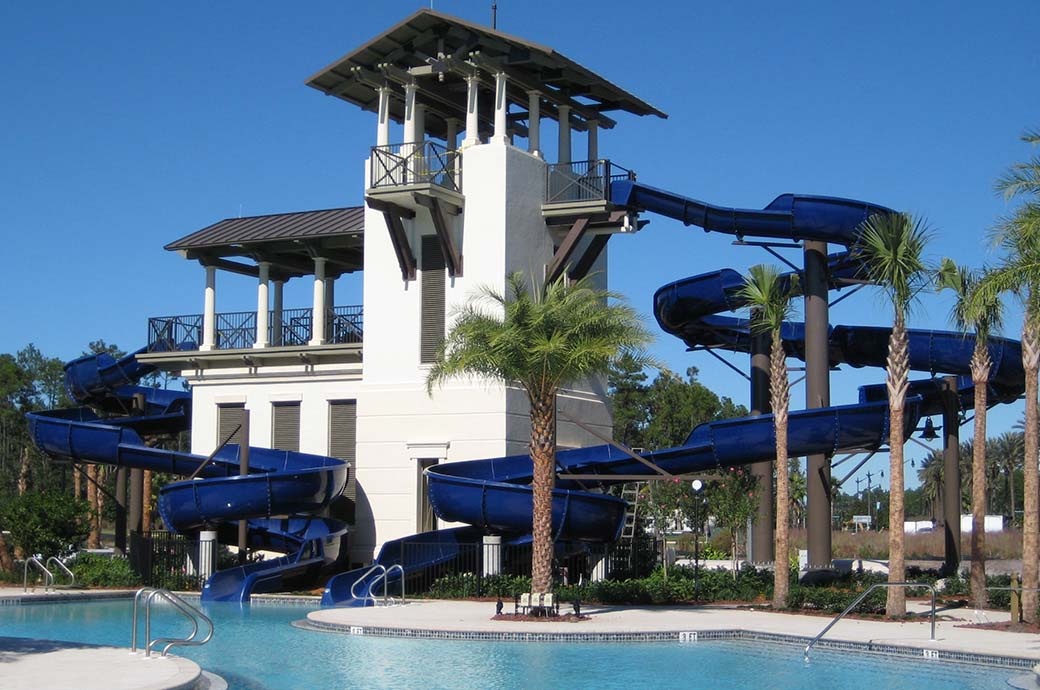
280, 497
494, 495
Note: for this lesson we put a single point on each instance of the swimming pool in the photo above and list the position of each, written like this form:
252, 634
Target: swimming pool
256, 648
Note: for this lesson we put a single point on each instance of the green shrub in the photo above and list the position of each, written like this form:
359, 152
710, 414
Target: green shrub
93, 570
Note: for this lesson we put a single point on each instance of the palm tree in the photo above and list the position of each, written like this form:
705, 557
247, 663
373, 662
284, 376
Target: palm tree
769, 297
540, 339
1018, 234
982, 316
891, 245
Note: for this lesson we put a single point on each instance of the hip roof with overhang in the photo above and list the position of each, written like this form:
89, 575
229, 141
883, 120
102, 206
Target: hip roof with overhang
437, 52
288, 241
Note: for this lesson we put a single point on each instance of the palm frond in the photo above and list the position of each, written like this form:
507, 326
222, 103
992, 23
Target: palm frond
891, 247
769, 295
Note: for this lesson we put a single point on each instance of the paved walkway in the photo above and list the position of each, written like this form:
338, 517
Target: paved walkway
476, 617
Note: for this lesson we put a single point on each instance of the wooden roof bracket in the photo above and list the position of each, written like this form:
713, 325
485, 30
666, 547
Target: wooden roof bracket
563, 254
438, 209
393, 215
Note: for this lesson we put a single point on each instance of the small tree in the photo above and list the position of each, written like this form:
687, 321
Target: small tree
49, 523
891, 247
541, 339
732, 500
769, 297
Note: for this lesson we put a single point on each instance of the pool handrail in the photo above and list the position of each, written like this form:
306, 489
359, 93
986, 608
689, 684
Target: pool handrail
863, 596
193, 615
48, 576
368, 595
385, 578
64, 569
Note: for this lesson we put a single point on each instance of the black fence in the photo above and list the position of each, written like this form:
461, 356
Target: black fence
480, 570
164, 559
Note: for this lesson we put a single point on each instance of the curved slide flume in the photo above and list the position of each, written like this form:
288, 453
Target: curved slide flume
494, 495
280, 497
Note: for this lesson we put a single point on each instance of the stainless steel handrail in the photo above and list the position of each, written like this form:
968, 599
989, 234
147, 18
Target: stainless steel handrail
863, 596
48, 576
184, 608
385, 578
64, 569
353, 594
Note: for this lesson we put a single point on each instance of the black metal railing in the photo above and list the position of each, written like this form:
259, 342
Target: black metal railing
164, 559
424, 162
295, 327
465, 573
583, 180
346, 325
234, 330
168, 333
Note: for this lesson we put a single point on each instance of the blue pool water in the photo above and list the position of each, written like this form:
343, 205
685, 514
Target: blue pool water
256, 648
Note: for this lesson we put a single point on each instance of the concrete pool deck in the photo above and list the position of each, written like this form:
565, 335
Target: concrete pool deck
45, 666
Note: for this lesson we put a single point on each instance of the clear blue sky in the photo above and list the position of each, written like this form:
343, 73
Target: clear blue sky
126, 125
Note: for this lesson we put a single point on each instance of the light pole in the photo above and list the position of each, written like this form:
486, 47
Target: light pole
697, 485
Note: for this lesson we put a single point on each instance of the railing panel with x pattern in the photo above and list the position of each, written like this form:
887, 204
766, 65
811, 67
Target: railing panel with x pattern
583, 180
423, 162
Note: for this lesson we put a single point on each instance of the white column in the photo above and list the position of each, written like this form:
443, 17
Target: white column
472, 119
565, 134
492, 561
263, 304
318, 311
599, 569
209, 311
410, 133
276, 307
593, 142
501, 135
207, 554
534, 123
383, 127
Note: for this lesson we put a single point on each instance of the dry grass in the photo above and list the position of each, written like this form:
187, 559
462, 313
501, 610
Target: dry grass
927, 545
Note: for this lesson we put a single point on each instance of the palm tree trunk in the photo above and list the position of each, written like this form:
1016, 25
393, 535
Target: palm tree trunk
898, 373
780, 400
980, 367
543, 457
146, 509
77, 480
1030, 498
6, 564
94, 537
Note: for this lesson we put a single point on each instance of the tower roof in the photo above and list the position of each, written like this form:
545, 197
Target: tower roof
439, 51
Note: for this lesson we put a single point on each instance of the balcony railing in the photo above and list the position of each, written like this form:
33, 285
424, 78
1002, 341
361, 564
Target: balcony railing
425, 162
582, 180
236, 330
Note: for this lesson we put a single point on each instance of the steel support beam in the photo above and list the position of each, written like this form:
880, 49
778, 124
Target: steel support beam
817, 394
393, 215
563, 254
951, 475
762, 541
438, 209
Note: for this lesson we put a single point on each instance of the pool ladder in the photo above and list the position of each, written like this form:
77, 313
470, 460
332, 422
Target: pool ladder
863, 596
383, 576
48, 575
195, 616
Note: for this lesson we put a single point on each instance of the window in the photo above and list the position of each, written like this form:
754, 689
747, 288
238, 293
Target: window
343, 439
432, 298
230, 418
285, 425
